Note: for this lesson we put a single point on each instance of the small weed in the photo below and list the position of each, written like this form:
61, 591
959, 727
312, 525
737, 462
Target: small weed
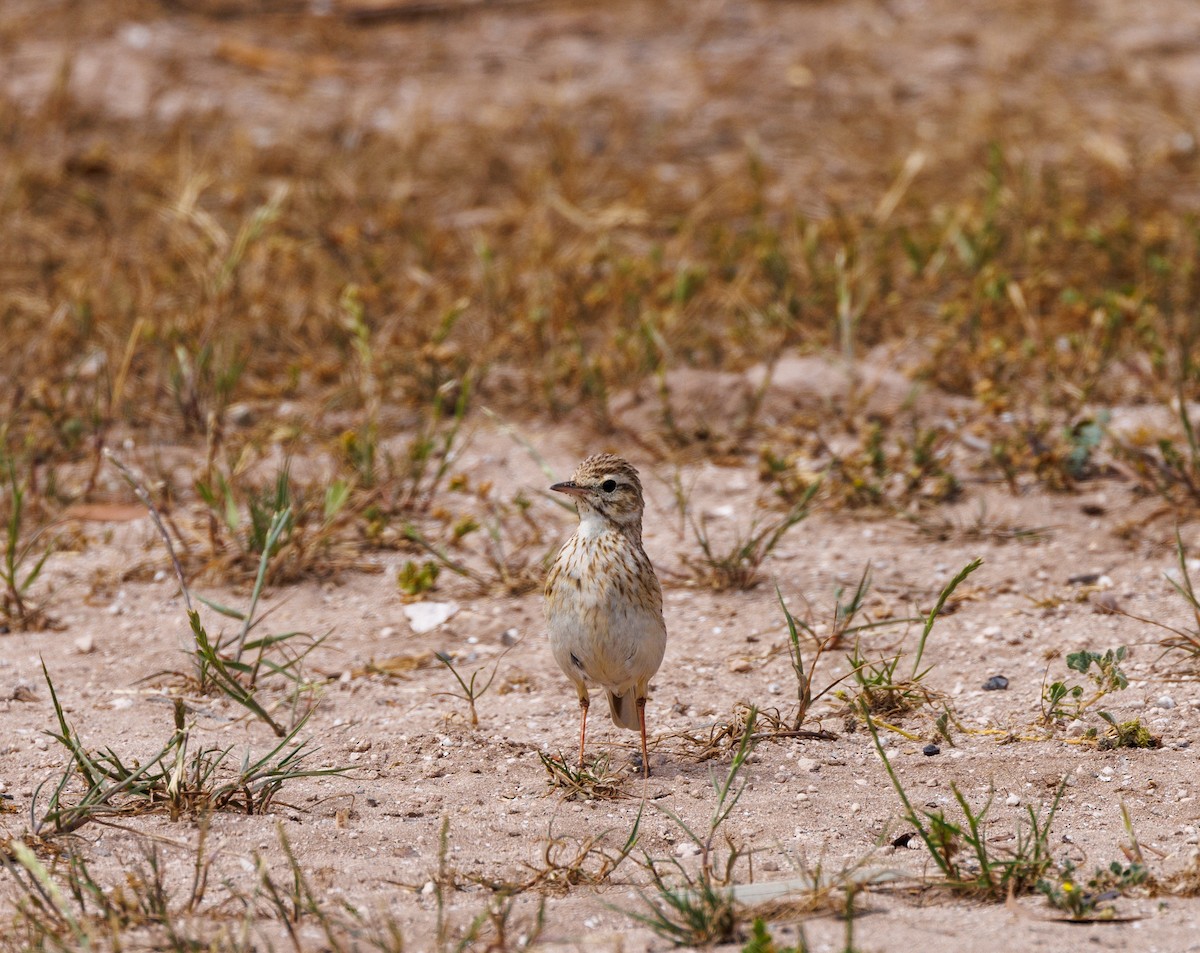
1185, 642
22, 564
880, 690
434, 450
566, 861
489, 931
894, 474
414, 579
761, 941
511, 536
1064, 701
1093, 899
295, 530
470, 691
1126, 734
960, 850
738, 567
980, 528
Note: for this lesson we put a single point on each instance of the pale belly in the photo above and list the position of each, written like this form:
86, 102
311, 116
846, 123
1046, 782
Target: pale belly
610, 634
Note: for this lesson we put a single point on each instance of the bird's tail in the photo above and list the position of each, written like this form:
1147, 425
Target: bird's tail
624, 709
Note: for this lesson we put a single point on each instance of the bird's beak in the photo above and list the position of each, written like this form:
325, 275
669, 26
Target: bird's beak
570, 487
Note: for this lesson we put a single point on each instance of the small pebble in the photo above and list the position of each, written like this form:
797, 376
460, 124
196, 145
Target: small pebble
85, 644
997, 683
930, 750
509, 637
687, 849
1164, 701
1013, 800
811, 765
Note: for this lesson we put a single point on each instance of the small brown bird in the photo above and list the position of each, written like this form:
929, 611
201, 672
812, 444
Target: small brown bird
603, 601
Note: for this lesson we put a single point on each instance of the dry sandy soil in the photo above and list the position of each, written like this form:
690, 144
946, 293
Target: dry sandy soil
813, 72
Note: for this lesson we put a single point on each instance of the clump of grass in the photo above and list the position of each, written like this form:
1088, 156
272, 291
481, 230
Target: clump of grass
488, 930
225, 667
1126, 734
175, 780
882, 688
415, 579
596, 782
241, 525
24, 559
960, 850
504, 540
739, 566
568, 862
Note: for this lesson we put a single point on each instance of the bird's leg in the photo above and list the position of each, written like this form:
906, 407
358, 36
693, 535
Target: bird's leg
583, 710
641, 707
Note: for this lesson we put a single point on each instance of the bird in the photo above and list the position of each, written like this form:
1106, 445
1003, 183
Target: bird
603, 601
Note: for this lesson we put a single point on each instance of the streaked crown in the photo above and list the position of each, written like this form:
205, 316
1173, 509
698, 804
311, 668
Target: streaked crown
609, 486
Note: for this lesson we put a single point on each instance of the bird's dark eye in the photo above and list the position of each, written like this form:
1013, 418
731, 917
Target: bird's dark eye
608, 486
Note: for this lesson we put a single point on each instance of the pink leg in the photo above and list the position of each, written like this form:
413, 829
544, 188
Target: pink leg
641, 707
583, 710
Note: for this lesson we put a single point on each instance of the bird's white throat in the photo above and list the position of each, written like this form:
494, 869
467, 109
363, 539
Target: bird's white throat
591, 523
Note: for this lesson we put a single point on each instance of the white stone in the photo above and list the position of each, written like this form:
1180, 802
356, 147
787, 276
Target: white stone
811, 765
427, 616
1013, 800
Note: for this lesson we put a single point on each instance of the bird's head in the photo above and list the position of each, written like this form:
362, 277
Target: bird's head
607, 486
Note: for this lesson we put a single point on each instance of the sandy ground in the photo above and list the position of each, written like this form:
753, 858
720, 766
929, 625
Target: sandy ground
1120, 78
372, 837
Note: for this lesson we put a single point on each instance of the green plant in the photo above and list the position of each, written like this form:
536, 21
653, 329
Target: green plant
841, 624
273, 520
470, 692
1126, 734
22, 564
412, 578
1093, 899
234, 675
511, 536
1061, 700
489, 930
960, 849
434, 450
